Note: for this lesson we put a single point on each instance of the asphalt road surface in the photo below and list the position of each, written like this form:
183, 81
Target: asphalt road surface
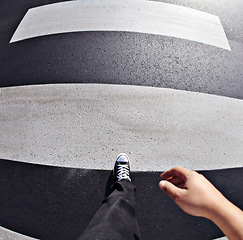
166, 92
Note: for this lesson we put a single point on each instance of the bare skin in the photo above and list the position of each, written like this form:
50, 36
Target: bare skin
195, 195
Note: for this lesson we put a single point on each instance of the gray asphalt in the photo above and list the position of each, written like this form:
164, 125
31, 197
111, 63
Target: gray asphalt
57, 203
125, 58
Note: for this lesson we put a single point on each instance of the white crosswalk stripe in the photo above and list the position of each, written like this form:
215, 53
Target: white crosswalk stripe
78, 125
132, 16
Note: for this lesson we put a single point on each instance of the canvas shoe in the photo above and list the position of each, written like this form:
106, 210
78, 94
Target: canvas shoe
121, 169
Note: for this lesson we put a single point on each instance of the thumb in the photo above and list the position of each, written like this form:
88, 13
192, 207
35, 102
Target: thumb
170, 189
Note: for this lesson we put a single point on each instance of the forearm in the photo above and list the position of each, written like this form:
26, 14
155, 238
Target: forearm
195, 195
229, 219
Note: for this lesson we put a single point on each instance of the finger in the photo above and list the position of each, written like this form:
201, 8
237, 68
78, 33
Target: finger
181, 185
176, 171
170, 189
175, 180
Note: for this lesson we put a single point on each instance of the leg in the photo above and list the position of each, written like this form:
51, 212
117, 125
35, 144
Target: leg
116, 219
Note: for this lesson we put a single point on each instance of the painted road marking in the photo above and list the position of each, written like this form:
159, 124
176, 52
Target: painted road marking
135, 16
12, 235
73, 125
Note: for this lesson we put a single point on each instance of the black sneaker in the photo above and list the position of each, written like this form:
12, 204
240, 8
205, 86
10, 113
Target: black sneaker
121, 169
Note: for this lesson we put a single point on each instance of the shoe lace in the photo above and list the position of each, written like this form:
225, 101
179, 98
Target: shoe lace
123, 171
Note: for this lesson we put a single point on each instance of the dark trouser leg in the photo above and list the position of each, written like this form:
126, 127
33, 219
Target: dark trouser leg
116, 218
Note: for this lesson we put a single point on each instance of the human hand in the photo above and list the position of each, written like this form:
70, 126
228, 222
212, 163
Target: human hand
191, 191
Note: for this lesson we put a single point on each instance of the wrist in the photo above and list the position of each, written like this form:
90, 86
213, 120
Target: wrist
228, 218
218, 208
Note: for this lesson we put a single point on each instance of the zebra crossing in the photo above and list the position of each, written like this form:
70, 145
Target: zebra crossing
162, 81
